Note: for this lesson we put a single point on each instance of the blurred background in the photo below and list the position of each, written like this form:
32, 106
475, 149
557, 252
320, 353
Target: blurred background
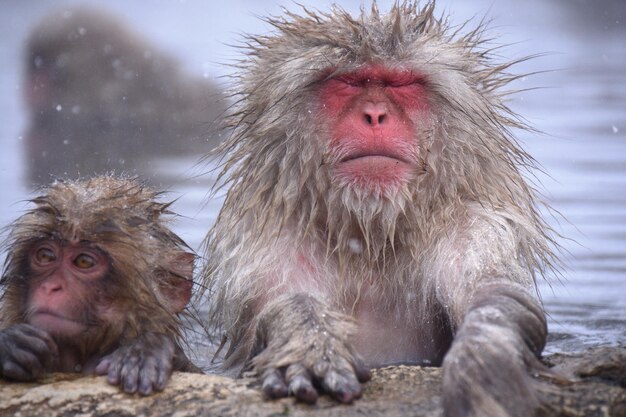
75, 81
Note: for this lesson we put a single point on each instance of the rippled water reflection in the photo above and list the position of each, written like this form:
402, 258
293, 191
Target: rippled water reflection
585, 155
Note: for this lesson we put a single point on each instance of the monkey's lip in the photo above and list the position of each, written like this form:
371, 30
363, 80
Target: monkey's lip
56, 323
365, 170
374, 156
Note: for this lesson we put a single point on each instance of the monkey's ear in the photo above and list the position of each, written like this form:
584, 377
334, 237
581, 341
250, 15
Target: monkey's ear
176, 287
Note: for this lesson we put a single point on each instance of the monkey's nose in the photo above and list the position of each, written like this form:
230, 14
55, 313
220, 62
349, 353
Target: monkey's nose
374, 114
51, 287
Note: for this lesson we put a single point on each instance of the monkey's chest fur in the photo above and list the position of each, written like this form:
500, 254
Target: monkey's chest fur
391, 335
395, 322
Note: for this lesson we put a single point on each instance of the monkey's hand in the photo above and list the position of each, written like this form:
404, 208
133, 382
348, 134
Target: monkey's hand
26, 352
489, 379
303, 347
489, 369
141, 365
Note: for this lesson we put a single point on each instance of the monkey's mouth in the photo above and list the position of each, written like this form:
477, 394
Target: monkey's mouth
374, 157
55, 323
374, 169
373, 162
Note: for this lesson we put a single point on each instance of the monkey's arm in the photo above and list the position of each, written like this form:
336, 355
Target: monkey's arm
143, 364
25, 352
487, 369
500, 326
300, 344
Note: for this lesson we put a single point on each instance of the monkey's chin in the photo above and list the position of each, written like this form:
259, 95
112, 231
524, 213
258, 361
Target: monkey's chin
56, 324
374, 173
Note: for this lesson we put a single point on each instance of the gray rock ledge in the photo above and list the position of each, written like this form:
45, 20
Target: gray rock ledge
597, 387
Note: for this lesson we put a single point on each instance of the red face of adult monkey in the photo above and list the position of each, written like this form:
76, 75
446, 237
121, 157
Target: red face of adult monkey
377, 214
93, 281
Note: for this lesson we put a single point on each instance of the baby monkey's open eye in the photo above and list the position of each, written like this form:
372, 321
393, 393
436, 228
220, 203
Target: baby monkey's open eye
85, 261
45, 255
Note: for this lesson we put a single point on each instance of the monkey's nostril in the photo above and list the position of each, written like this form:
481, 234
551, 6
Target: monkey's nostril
374, 114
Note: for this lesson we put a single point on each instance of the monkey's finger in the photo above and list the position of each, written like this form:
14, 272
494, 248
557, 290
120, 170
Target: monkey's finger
30, 363
26, 343
42, 335
338, 379
361, 371
344, 387
164, 371
52, 347
320, 369
149, 376
300, 384
27, 338
129, 374
113, 369
103, 366
12, 370
274, 384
